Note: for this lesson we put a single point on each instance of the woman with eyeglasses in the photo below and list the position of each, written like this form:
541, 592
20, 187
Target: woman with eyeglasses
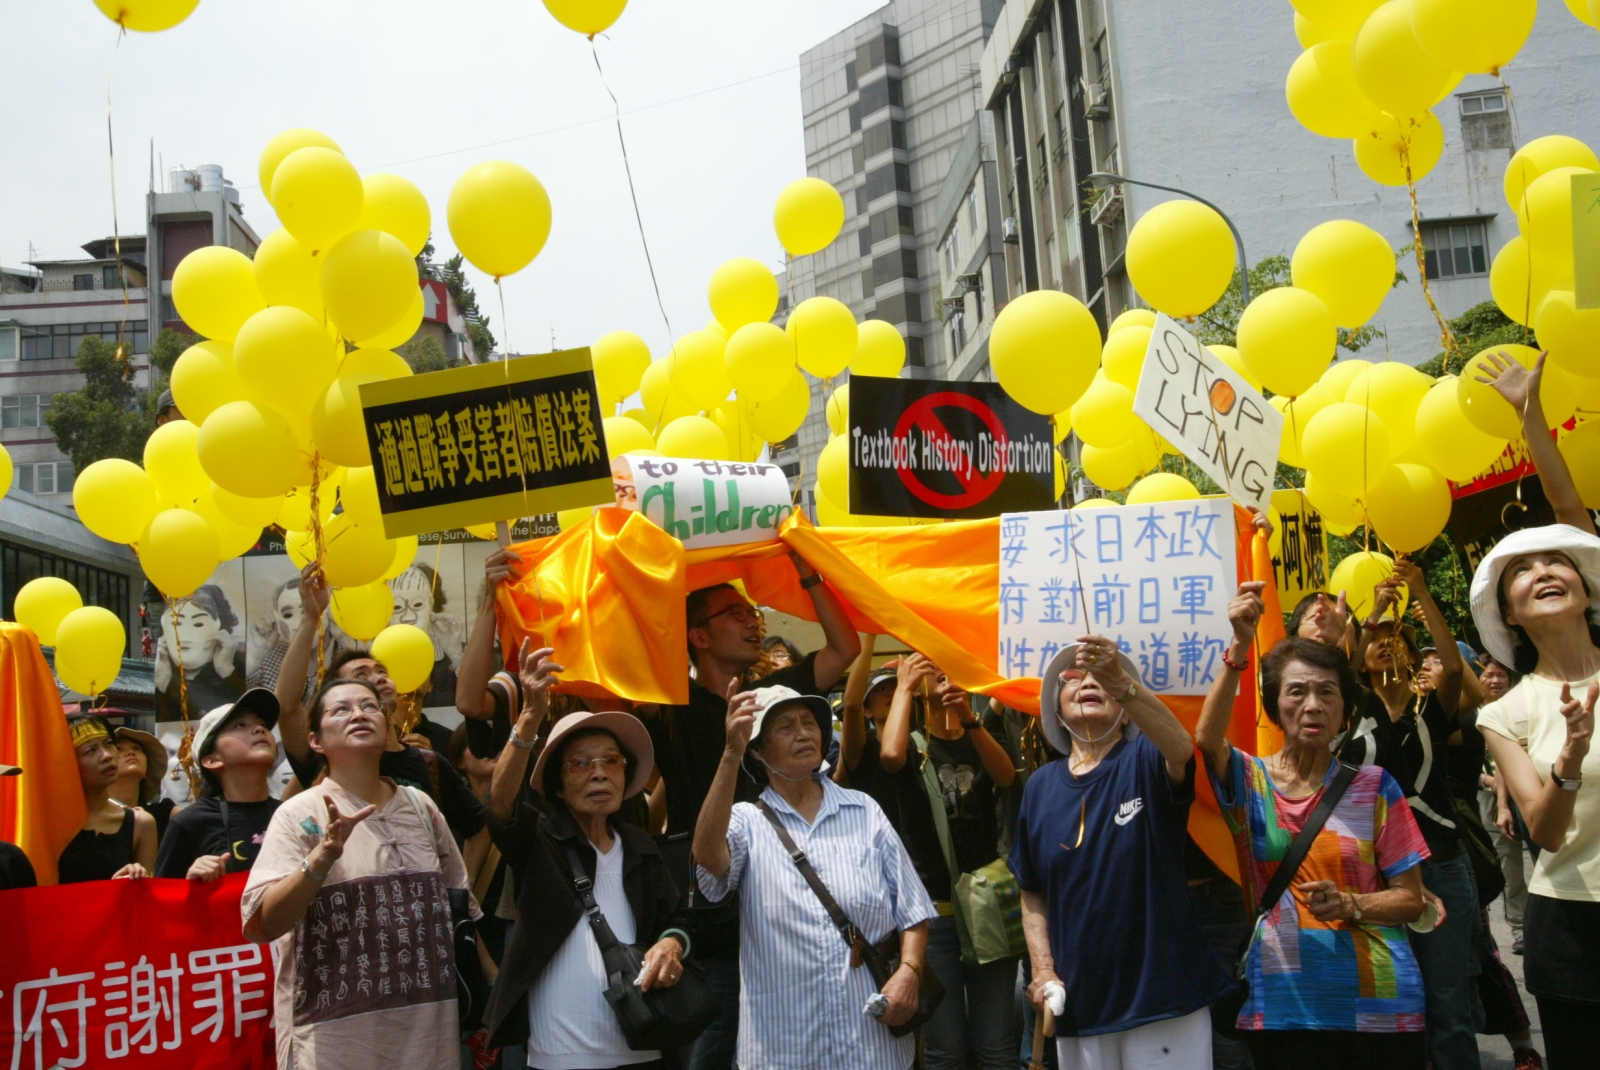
551, 993
1099, 856
352, 883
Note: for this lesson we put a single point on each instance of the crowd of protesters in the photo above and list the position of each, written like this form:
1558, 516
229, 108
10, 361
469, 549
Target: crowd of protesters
761, 878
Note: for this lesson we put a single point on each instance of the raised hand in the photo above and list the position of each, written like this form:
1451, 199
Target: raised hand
1407, 572
1245, 609
1098, 655
339, 829
741, 720
1510, 379
1580, 722
913, 671
314, 593
501, 565
537, 672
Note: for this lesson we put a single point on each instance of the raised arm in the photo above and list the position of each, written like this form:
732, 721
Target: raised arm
1546, 807
284, 902
477, 660
843, 645
912, 676
293, 722
1385, 596
711, 829
1098, 654
853, 733
538, 674
1449, 690
996, 762
1211, 733
1520, 386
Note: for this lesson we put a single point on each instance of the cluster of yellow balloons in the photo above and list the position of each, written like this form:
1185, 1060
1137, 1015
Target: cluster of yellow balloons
1372, 70
1532, 276
89, 641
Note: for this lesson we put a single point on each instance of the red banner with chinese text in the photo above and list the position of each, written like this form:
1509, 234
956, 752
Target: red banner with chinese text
133, 975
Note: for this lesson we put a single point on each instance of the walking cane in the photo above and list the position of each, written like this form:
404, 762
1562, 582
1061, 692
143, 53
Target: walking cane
1043, 1026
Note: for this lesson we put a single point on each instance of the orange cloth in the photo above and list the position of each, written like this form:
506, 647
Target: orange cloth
41, 810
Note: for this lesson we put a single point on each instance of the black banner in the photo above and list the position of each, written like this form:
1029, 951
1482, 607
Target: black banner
965, 451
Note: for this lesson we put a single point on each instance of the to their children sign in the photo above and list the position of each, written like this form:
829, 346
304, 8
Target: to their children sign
1207, 410
486, 443
704, 503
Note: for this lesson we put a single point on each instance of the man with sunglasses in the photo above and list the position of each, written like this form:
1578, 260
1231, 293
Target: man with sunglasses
724, 644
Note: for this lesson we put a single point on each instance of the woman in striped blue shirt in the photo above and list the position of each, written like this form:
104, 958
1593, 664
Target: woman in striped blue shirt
803, 1001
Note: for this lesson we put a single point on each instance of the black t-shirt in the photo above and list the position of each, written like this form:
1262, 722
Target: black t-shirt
905, 802
689, 741
1410, 754
969, 800
462, 811
487, 738
438, 735
198, 830
15, 869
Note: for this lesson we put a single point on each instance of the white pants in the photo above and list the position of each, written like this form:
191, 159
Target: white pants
1170, 1044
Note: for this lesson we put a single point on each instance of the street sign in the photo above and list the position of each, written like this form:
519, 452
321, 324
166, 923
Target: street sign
925, 448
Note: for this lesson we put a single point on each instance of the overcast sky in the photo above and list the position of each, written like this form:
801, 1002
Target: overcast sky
423, 88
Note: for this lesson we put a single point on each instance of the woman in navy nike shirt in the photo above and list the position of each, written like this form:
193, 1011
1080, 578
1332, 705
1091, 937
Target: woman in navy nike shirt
1099, 858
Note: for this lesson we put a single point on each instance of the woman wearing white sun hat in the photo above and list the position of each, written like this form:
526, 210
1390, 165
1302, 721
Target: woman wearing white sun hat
1536, 601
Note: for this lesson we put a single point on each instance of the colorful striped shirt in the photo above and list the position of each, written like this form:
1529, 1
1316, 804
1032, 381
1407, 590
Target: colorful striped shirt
1310, 974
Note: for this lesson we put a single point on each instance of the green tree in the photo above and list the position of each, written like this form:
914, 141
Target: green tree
108, 417
424, 354
1475, 330
466, 298
1220, 324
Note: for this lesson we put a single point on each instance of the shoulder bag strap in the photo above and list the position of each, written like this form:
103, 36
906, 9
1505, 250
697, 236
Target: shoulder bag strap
1302, 842
841, 920
941, 820
427, 821
227, 825
597, 920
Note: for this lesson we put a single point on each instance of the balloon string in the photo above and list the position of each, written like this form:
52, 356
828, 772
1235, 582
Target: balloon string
116, 227
1447, 337
186, 747
319, 550
632, 193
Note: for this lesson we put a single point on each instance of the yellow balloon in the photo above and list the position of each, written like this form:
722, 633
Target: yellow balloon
624, 436
1545, 216
285, 359
1061, 426
147, 16
294, 512
1483, 405
744, 443
830, 515
404, 554
7, 469
662, 402
1297, 412
400, 331
336, 423
115, 499
1585, 12
695, 437
1044, 350
250, 450
395, 206
1394, 150
620, 359
1580, 448
1112, 468
1520, 283
1542, 155
1408, 506
42, 603
1347, 447
362, 612
1473, 36
1104, 415
499, 216
1230, 356
808, 216
204, 379
1341, 18
699, 373
1181, 257
1287, 338
279, 148
173, 464
587, 17
1340, 374
383, 363
1310, 34
317, 195
833, 471
1358, 574
1161, 487
759, 359
354, 556
880, 350
1133, 317
838, 409
1570, 334
743, 291
90, 642
1323, 95
369, 281
780, 417
1123, 358
405, 651
246, 512
233, 539
1340, 514
287, 273
1391, 67
1096, 503
1393, 391
827, 340
1347, 264
717, 329
178, 551
214, 290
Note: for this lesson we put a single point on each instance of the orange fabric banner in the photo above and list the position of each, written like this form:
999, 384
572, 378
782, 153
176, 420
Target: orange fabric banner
41, 810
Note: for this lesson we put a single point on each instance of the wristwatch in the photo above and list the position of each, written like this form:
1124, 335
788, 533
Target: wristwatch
813, 580
517, 741
305, 867
1565, 783
1131, 693
1355, 907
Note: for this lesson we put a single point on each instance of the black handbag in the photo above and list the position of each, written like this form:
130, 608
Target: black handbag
1225, 1011
883, 957
472, 987
661, 1019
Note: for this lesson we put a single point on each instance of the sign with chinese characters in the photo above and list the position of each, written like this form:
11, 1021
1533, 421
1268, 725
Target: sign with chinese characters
1155, 578
924, 448
704, 503
133, 974
1299, 550
488, 442
1207, 410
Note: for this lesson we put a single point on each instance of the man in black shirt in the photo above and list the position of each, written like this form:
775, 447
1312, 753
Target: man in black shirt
400, 762
221, 831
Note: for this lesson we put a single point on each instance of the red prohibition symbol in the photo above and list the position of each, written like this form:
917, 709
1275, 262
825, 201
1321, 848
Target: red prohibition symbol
923, 415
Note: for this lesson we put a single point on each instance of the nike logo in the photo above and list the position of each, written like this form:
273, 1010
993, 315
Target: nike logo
1129, 810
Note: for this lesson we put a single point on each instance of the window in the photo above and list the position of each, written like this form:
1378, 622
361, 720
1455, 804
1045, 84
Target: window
887, 179
914, 354
49, 477
83, 282
885, 136
867, 289
972, 209
900, 308
21, 564
1486, 121
9, 343
951, 253
1455, 250
861, 199
24, 410
900, 264
109, 279
850, 76
858, 159
1479, 103
855, 117
1044, 168
864, 236
885, 48
60, 341
880, 94
958, 334
891, 221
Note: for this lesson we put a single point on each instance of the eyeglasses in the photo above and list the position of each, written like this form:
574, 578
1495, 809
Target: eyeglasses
611, 763
739, 611
345, 710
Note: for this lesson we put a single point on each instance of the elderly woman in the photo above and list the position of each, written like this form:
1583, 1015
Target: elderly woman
1536, 601
116, 840
805, 999
1098, 855
1333, 980
551, 991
